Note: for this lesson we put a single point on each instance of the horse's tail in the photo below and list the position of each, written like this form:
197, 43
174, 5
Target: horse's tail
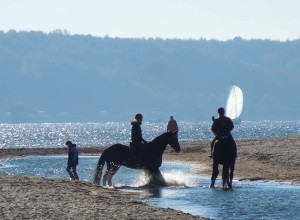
99, 168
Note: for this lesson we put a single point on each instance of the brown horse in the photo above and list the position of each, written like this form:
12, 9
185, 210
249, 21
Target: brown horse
149, 158
224, 153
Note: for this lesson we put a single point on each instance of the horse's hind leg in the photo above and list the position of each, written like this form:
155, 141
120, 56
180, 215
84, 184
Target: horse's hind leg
105, 176
225, 175
231, 167
112, 168
112, 172
214, 174
98, 174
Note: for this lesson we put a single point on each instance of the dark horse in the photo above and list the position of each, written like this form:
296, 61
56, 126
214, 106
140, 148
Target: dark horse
149, 159
224, 153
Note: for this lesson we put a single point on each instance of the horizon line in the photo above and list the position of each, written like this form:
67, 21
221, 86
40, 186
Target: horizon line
69, 33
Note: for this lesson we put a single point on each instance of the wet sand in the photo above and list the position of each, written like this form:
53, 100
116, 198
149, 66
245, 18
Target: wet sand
270, 159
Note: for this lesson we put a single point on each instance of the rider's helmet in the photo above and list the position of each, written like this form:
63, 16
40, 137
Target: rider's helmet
138, 116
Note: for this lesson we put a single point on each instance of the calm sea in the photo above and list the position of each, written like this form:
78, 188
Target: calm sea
46, 135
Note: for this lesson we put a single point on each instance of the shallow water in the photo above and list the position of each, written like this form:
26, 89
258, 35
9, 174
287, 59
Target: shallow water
190, 194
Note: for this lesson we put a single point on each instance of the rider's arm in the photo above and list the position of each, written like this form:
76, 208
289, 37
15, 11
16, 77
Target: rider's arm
214, 127
231, 126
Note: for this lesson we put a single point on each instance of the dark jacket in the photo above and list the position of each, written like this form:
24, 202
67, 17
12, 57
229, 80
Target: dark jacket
136, 134
222, 126
73, 155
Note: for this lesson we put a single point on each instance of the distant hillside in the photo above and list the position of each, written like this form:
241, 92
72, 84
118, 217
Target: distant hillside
60, 78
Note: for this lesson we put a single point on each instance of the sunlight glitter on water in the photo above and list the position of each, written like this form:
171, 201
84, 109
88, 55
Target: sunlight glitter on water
46, 135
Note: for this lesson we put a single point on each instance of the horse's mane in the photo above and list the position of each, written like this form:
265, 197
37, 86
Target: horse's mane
158, 137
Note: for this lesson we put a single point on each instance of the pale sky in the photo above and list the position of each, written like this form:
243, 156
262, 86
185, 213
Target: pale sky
185, 19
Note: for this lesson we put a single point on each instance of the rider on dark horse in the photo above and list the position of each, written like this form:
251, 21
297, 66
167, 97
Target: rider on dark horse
221, 127
137, 141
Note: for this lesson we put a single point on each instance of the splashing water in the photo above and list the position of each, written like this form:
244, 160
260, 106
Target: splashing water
139, 180
178, 178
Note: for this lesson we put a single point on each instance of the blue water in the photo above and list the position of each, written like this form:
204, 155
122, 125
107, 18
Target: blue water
191, 194
47, 135
188, 193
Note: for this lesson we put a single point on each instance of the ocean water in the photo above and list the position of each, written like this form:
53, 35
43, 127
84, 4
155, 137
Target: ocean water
47, 135
191, 194
188, 193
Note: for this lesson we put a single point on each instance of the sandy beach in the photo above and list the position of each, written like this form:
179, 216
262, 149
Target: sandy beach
270, 159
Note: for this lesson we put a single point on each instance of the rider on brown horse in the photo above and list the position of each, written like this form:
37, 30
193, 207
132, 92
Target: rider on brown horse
223, 149
222, 126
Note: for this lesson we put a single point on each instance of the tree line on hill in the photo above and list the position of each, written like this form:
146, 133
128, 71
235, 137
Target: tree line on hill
57, 77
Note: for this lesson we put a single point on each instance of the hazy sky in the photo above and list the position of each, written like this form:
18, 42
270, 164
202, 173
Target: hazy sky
210, 19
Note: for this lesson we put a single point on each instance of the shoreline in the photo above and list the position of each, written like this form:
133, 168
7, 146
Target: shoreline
266, 159
25, 197
45, 198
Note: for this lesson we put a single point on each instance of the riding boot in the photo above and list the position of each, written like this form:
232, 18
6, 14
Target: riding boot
212, 146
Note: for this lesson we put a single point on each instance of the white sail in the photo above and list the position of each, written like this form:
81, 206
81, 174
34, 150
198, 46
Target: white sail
234, 104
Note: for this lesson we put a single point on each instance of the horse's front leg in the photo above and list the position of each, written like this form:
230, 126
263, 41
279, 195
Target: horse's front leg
225, 175
155, 177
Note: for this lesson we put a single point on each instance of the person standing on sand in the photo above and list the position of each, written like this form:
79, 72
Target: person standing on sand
172, 126
222, 126
72, 160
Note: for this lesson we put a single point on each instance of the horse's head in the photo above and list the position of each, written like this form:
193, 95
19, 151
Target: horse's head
160, 143
173, 141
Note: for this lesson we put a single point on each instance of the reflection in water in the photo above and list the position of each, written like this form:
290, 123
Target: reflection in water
191, 194
155, 192
145, 191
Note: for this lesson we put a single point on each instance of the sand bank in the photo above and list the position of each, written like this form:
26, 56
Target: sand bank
41, 198
272, 159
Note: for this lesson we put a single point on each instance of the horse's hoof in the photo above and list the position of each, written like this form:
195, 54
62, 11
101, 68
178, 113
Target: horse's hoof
95, 183
212, 186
